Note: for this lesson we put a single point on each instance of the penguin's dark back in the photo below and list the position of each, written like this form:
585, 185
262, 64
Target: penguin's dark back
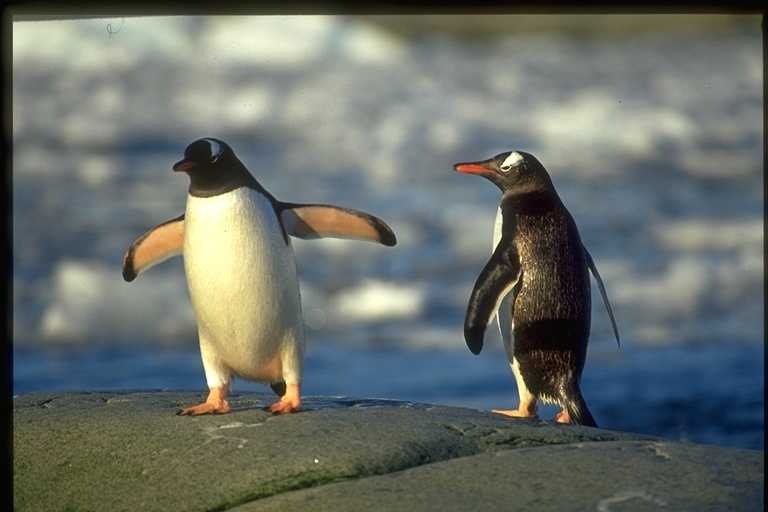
555, 277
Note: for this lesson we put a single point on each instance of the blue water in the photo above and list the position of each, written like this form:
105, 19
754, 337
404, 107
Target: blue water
652, 136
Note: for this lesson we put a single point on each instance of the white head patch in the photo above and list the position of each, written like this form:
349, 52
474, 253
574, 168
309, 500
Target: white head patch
216, 149
513, 159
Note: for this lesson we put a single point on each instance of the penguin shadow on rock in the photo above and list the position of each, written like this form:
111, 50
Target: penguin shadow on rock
537, 285
241, 271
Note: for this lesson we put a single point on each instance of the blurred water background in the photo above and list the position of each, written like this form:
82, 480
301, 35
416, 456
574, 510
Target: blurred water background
651, 128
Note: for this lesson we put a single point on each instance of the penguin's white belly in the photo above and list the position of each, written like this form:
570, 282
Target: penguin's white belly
504, 305
244, 289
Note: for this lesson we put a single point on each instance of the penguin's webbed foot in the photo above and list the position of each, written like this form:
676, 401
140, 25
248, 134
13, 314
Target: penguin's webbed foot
205, 408
216, 403
515, 413
563, 417
289, 402
526, 410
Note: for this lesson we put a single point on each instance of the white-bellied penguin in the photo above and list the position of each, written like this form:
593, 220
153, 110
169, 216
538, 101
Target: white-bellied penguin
537, 284
241, 271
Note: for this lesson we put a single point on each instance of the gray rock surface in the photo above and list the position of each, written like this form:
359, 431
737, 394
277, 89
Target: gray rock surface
129, 451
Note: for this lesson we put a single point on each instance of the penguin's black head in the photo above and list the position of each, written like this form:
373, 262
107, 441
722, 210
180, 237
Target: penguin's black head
213, 168
513, 170
204, 154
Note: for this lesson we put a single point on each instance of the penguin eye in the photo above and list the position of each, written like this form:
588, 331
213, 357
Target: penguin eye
513, 159
213, 159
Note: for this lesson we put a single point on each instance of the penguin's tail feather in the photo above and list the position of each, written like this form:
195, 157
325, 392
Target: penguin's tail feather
577, 409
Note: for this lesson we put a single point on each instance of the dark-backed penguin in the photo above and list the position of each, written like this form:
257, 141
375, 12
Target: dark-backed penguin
241, 271
537, 284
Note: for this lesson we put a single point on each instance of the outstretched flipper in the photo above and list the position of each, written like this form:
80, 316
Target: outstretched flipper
311, 221
153, 247
302, 221
601, 286
496, 281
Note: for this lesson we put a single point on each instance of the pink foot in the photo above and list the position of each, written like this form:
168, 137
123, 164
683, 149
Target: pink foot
216, 403
526, 410
289, 402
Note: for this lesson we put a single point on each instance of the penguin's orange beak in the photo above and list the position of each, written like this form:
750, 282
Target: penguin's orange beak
184, 166
471, 168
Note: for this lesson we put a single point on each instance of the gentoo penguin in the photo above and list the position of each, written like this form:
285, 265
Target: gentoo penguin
241, 271
537, 283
